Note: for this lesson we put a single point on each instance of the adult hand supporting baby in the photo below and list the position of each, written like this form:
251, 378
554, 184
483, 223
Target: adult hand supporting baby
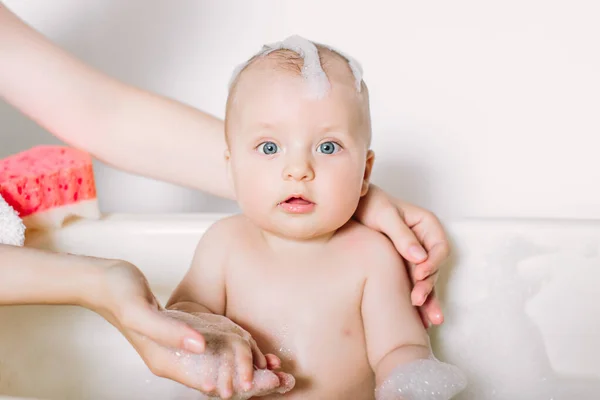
170, 341
124, 299
410, 228
115, 289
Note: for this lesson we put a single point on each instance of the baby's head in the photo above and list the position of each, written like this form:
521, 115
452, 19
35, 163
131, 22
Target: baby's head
298, 133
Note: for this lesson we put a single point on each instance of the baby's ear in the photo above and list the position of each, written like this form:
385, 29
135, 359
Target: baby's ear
367, 175
227, 155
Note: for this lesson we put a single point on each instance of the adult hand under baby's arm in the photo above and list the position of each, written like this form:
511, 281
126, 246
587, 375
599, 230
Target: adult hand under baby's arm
169, 343
124, 298
397, 344
410, 228
225, 368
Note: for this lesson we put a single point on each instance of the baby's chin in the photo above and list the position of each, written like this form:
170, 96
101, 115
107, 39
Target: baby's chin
304, 228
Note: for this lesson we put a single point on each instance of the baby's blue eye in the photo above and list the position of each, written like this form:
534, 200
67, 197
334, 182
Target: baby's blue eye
328, 148
268, 148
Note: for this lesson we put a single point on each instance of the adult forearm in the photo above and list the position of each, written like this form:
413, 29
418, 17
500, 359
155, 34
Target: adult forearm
119, 124
31, 276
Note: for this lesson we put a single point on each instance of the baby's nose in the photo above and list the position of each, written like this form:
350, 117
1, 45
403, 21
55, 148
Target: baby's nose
299, 171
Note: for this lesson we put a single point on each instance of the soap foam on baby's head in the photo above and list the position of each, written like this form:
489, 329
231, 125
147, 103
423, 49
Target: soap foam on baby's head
319, 67
310, 55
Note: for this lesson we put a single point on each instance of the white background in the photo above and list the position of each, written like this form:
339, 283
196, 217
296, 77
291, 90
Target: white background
480, 109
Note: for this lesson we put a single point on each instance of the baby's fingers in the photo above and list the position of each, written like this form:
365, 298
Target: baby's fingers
267, 382
259, 359
264, 382
286, 382
273, 362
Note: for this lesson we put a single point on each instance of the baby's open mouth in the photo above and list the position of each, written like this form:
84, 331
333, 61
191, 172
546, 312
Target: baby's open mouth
297, 204
297, 200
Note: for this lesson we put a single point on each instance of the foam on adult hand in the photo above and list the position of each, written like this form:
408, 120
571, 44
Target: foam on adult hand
12, 229
219, 332
427, 379
312, 70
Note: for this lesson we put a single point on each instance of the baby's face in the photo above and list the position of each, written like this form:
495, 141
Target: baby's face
299, 165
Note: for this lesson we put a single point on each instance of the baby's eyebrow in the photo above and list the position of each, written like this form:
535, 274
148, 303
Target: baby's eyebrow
332, 128
263, 126
338, 130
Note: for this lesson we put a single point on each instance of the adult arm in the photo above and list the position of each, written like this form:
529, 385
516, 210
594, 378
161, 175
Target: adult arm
126, 127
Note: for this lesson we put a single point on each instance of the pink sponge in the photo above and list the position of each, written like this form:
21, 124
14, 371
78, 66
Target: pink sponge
48, 184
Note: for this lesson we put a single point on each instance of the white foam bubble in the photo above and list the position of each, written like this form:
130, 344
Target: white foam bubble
489, 333
426, 379
312, 70
284, 352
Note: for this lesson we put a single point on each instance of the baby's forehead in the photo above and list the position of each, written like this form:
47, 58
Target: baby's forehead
277, 99
270, 86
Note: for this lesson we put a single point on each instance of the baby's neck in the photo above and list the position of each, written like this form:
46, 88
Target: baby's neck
279, 242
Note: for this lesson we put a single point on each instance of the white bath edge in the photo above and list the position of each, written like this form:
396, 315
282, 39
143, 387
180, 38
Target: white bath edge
201, 221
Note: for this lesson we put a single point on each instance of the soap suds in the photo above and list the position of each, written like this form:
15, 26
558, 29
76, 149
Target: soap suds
312, 70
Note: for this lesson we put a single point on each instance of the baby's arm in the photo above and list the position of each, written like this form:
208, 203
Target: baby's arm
397, 344
202, 289
227, 363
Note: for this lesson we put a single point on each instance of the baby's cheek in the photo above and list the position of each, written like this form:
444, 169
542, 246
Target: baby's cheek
252, 186
343, 209
339, 196
246, 176
256, 193
343, 186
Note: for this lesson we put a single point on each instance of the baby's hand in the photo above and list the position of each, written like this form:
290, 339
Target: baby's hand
226, 367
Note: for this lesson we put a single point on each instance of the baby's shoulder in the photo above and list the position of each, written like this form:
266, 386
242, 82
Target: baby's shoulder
372, 248
218, 241
227, 231
227, 224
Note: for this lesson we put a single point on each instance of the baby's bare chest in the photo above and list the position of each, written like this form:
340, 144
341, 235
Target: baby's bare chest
307, 312
299, 292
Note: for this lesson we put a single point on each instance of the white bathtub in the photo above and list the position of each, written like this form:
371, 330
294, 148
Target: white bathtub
522, 316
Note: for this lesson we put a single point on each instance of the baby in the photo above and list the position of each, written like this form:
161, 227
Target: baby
293, 282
